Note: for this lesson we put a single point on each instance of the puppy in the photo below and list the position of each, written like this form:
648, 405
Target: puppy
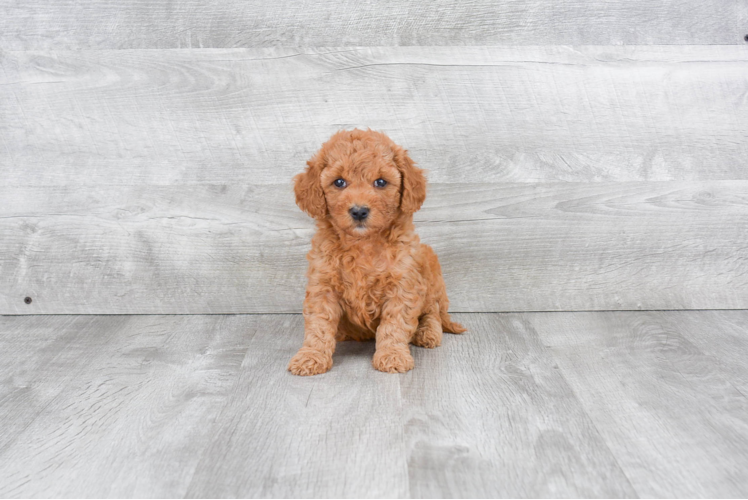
369, 274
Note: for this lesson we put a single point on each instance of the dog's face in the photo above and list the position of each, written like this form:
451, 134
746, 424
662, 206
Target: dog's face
361, 181
362, 191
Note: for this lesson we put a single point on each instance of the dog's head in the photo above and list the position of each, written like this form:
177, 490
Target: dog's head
361, 181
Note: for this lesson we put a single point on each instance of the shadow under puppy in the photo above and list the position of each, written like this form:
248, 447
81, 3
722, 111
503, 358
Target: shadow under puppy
369, 274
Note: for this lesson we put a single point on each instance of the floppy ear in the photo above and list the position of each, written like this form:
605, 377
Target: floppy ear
309, 194
413, 189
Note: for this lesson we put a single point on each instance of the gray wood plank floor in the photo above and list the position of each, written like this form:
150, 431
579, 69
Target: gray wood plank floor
592, 404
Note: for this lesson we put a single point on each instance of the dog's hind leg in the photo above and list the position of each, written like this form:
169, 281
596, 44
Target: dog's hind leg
448, 325
439, 291
429, 332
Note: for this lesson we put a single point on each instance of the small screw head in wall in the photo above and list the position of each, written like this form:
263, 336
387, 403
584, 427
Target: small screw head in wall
27, 300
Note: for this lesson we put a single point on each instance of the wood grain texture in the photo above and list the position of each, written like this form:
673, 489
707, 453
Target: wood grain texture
670, 413
338, 435
90, 24
488, 415
40, 356
128, 405
153, 249
722, 335
505, 247
616, 246
524, 405
742, 20
468, 114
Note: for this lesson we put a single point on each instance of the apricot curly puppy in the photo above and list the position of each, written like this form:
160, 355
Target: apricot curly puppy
369, 274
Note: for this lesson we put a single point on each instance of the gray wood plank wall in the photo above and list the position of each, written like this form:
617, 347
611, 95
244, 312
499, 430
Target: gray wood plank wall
512, 246
592, 176
472, 114
91, 24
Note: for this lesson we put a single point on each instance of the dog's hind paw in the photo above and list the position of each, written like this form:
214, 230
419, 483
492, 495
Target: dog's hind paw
428, 338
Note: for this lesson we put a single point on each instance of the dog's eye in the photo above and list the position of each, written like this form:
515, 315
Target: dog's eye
380, 183
340, 183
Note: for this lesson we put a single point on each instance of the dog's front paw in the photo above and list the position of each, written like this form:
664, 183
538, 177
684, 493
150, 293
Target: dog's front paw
310, 362
393, 359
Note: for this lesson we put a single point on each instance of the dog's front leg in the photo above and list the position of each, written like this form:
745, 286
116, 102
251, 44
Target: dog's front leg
395, 331
322, 313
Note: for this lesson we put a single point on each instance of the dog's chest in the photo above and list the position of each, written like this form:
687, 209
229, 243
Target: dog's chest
364, 283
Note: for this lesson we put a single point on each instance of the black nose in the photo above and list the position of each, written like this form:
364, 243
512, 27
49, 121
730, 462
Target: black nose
359, 213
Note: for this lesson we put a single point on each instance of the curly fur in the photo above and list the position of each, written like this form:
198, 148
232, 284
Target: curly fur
370, 279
